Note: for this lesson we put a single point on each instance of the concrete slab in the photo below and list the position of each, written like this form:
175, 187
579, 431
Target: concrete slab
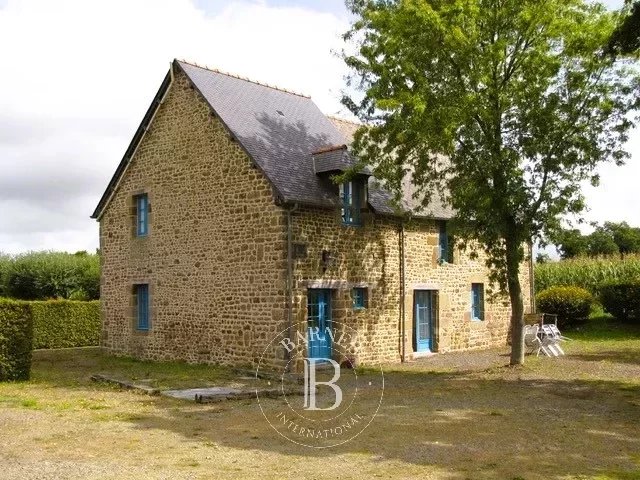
192, 393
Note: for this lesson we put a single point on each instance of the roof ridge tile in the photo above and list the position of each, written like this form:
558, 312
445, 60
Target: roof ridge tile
246, 79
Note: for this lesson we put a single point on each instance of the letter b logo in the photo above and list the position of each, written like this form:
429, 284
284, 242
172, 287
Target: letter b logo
310, 383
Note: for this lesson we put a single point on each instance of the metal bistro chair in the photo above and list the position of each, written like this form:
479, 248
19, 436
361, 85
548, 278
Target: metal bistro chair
532, 341
551, 340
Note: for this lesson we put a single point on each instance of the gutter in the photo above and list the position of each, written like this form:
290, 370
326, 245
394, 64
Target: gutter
290, 279
532, 279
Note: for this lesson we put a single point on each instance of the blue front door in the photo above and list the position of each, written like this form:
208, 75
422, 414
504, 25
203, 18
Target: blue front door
424, 320
318, 321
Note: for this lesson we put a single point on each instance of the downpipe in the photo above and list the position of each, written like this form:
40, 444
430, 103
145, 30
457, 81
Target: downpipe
290, 280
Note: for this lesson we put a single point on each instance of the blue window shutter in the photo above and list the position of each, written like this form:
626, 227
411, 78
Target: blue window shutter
443, 241
477, 301
142, 213
359, 297
351, 199
142, 297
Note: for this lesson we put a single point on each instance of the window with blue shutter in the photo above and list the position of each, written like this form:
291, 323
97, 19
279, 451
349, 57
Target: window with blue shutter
142, 306
359, 296
351, 195
477, 301
445, 244
142, 215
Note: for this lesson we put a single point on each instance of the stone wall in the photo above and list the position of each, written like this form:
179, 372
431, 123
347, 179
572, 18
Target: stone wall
214, 257
369, 256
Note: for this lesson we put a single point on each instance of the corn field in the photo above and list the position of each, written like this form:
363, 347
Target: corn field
588, 273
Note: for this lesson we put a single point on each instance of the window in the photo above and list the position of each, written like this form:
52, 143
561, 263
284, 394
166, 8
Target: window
445, 244
142, 306
352, 194
142, 214
359, 296
477, 301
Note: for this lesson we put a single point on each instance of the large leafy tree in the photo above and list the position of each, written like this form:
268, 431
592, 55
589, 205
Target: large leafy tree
626, 238
626, 38
601, 243
571, 243
504, 106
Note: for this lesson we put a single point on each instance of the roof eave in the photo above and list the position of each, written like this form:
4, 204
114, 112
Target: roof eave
133, 145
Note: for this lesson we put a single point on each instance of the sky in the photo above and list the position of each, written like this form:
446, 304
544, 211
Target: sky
78, 75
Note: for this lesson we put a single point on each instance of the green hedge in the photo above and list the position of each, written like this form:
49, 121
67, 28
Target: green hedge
571, 304
622, 300
16, 340
65, 323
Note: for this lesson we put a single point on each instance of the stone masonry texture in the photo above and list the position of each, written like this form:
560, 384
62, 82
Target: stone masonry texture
215, 258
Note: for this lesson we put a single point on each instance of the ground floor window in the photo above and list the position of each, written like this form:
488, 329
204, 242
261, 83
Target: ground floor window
477, 302
359, 297
141, 293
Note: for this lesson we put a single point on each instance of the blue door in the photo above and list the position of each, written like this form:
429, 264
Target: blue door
424, 320
318, 321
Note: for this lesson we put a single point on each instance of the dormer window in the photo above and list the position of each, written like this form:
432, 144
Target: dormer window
352, 196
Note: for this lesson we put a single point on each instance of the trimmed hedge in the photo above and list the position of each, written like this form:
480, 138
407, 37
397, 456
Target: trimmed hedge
65, 323
571, 304
16, 340
622, 300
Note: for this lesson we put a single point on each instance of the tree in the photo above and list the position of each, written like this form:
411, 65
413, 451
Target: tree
503, 106
571, 243
626, 38
600, 243
542, 257
626, 238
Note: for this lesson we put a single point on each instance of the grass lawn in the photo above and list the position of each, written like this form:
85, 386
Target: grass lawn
452, 416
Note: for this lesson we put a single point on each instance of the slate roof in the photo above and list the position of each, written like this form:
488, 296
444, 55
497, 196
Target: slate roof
280, 130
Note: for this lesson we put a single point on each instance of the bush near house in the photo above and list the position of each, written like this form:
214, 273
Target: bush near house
588, 273
622, 300
571, 304
65, 323
16, 340
46, 275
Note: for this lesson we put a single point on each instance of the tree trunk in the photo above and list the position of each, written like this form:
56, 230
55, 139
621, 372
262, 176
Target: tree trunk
517, 303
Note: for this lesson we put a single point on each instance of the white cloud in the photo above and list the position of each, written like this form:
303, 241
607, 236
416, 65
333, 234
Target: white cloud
78, 75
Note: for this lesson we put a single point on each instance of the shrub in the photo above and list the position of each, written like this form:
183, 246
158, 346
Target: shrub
622, 300
65, 323
5, 266
571, 304
16, 340
46, 275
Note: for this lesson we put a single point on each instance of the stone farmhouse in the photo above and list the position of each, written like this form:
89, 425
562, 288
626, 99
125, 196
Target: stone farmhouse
222, 226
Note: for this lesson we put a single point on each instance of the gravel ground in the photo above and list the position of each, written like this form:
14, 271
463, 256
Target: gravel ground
458, 416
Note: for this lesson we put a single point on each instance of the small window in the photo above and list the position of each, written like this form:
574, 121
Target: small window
352, 195
360, 299
477, 301
142, 306
445, 244
142, 215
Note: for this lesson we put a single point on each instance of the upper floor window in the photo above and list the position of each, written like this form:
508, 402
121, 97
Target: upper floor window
352, 196
142, 214
359, 297
141, 292
477, 301
445, 244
